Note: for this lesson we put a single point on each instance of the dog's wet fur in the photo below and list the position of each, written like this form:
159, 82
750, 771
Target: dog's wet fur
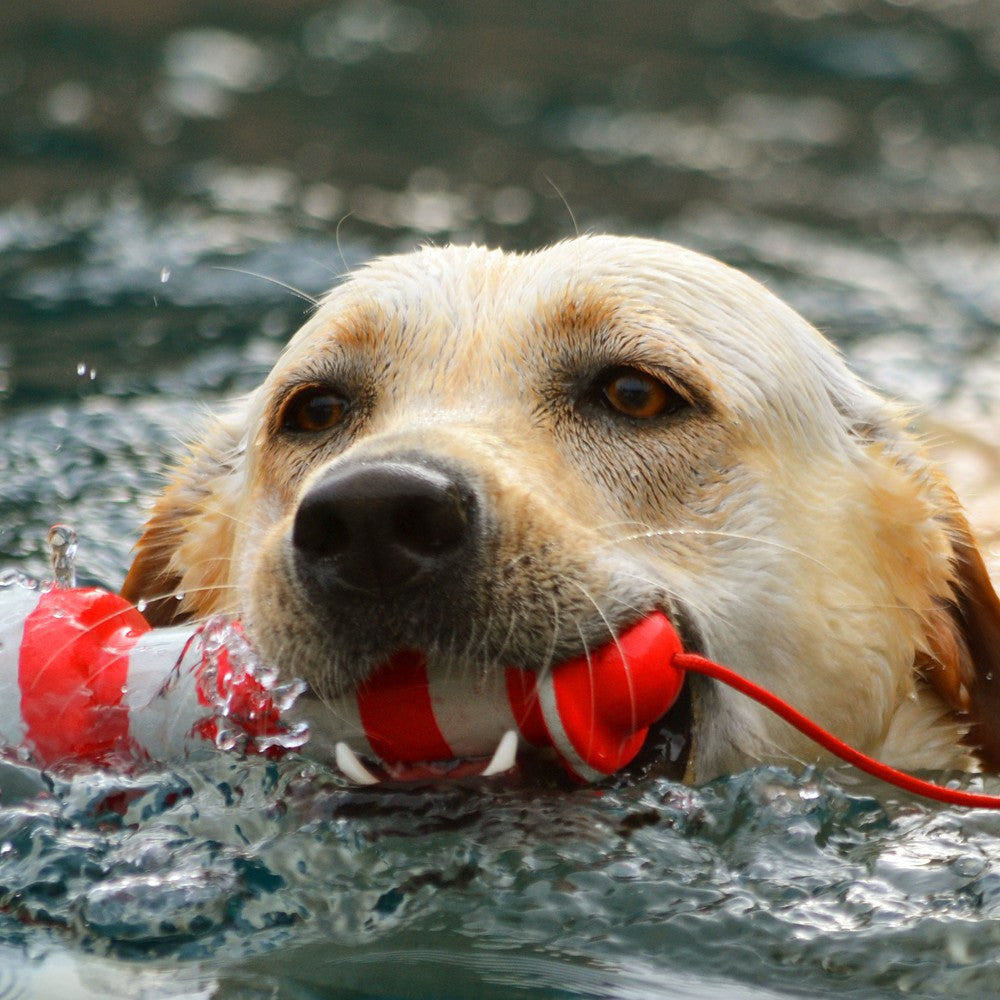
506, 459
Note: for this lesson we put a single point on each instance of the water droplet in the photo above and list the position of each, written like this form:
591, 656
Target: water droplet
62, 541
228, 739
81, 368
141, 605
292, 738
284, 696
165, 275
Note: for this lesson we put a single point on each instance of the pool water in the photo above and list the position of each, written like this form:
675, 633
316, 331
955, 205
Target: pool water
176, 186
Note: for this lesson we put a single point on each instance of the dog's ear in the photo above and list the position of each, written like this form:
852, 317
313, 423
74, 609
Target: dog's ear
181, 568
963, 664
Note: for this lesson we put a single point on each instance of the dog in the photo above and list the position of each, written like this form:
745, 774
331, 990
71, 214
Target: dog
502, 459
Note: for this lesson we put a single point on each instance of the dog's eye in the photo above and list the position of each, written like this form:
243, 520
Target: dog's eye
635, 394
312, 409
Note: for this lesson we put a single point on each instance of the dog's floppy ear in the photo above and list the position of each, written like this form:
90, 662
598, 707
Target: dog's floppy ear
964, 640
182, 563
977, 615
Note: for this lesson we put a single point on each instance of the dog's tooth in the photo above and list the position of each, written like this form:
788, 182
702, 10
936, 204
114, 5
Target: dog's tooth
351, 766
504, 756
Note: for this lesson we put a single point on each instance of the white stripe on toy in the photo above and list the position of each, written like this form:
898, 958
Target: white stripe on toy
472, 712
164, 709
18, 603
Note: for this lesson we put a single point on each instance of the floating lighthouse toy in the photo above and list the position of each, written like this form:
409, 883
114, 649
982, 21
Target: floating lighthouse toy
88, 681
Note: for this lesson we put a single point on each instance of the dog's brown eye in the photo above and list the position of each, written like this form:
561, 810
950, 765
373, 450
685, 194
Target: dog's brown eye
312, 409
636, 394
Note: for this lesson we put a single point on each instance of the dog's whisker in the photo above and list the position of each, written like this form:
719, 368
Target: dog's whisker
498, 656
652, 533
613, 633
305, 296
548, 660
658, 585
180, 593
216, 510
591, 673
340, 248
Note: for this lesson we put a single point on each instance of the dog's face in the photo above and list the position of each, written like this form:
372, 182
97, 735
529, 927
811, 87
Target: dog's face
507, 460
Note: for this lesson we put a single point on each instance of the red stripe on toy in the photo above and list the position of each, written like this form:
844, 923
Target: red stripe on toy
605, 748
396, 699
72, 671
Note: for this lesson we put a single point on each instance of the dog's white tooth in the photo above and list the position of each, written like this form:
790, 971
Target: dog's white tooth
348, 762
505, 755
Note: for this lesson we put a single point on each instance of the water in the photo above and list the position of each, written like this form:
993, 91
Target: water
174, 189
276, 874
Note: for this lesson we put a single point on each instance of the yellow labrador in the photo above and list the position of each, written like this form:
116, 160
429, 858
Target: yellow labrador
508, 459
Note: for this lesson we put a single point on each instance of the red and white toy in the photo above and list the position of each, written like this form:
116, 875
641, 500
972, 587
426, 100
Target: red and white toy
89, 681
85, 680
595, 711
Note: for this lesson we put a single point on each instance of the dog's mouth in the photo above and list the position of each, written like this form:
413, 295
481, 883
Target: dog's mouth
665, 753
502, 761
620, 707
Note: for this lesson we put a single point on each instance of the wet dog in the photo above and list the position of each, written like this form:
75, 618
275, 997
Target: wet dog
509, 459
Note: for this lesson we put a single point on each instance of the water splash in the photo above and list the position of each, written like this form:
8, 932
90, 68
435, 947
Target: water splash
247, 703
62, 540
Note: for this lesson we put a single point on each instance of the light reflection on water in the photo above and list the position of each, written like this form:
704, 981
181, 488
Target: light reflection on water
166, 180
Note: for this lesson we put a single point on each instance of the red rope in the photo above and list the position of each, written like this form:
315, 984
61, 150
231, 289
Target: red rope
700, 665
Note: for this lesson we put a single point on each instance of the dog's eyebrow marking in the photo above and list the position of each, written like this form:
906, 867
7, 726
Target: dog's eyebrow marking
360, 326
589, 311
593, 325
335, 348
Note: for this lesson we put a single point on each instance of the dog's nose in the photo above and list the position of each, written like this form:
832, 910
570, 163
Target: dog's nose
382, 526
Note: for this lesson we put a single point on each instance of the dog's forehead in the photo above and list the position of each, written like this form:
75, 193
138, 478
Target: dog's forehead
486, 311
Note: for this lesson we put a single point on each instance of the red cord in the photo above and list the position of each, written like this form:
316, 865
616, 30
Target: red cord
700, 665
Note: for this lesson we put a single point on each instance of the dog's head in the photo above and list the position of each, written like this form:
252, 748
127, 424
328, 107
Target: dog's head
506, 460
